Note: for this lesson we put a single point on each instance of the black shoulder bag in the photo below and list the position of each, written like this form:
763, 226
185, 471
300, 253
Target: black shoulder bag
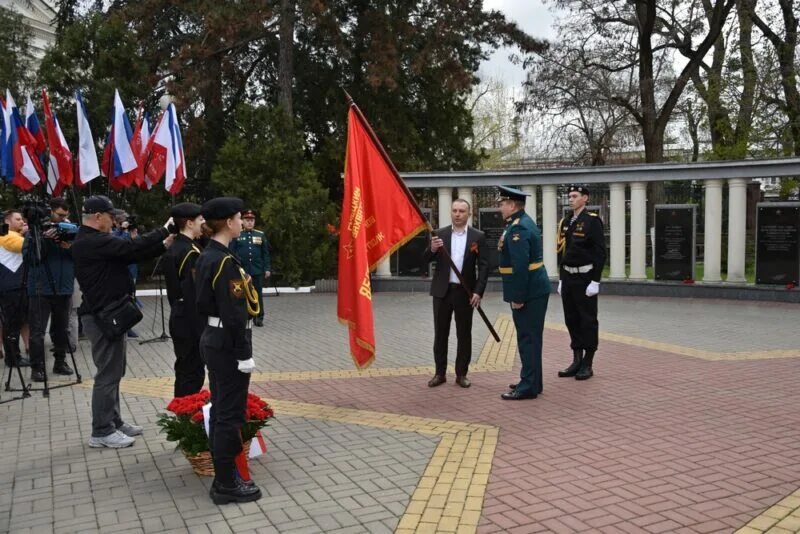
116, 318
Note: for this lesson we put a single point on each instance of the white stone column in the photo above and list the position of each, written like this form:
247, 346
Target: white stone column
712, 236
638, 231
384, 269
617, 227
737, 228
530, 204
466, 194
549, 223
445, 204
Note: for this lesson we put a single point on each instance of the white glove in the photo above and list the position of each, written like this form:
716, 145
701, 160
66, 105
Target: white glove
247, 366
559, 287
592, 289
170, 226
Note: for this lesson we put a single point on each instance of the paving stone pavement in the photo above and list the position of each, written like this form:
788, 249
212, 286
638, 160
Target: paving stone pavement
658, 441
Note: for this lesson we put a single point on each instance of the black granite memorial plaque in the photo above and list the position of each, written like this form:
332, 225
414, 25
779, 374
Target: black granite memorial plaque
408, 258
777, 248
491, 222
675, 238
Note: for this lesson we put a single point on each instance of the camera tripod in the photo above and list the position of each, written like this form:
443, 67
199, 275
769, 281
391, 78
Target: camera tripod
33, 257
160, 301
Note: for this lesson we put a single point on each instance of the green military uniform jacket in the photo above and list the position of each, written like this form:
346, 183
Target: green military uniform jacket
521, 266
252, 248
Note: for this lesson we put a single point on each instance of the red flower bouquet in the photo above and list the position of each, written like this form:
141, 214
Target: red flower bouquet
186, 426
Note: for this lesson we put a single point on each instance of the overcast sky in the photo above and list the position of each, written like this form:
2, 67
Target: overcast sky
533, 17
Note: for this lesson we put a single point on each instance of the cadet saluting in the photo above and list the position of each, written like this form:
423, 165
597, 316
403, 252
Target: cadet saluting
582, 255
526, 287
185, 324
226, 297
252, 248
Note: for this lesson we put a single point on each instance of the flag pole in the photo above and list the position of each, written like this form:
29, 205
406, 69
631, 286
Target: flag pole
413, 202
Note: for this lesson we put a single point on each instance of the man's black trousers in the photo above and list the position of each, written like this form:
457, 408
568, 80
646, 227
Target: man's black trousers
56, 310
455, 302
580, 311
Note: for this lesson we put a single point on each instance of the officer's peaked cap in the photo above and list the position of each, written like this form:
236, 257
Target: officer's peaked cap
509, 193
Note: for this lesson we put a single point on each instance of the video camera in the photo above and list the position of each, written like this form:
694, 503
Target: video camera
64, 231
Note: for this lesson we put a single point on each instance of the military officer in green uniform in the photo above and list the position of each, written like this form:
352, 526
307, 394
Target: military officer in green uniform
525, 286
582, 255
252, 248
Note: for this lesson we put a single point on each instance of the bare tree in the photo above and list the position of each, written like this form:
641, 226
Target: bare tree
786, 50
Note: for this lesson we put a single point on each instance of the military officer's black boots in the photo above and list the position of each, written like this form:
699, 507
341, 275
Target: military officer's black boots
585, 372
239, 491
572, 370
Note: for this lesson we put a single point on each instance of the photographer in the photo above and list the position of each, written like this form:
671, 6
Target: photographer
50, 288
12, 300
101, 265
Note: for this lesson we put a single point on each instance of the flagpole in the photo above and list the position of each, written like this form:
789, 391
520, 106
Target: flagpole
413, 202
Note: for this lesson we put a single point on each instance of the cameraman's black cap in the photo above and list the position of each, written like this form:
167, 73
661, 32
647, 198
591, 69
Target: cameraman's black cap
222, 208
186, 210
98, 204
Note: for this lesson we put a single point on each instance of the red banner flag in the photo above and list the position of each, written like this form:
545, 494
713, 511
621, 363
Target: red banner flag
378, 216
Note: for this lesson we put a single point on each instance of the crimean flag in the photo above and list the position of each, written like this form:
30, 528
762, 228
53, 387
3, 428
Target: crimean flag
378, 216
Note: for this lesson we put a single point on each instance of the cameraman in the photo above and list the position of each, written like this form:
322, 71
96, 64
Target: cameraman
50, 288
101, 265
12, 299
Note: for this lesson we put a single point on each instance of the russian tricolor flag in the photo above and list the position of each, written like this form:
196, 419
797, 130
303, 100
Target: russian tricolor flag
6, 157
27, 169
119, 162
32, 123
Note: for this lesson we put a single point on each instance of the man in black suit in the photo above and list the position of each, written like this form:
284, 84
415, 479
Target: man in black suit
467, 247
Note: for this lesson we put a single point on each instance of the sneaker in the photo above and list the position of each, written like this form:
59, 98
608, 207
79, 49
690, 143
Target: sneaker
131, 430
62, 368
115, 440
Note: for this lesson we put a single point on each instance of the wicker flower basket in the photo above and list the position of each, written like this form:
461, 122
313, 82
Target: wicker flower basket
202, 464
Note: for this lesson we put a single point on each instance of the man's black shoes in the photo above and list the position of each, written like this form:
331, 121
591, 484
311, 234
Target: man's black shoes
62, 368
239, 492
258, 321
516, 395
37, 375
585, 372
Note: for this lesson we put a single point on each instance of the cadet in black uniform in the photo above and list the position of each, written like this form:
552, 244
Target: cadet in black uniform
582, 255
185, 324
227, 300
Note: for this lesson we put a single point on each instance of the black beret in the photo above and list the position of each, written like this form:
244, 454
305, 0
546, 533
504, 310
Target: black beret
98, 204
186, 210
509, 193
248, 214
222, 208
578, 189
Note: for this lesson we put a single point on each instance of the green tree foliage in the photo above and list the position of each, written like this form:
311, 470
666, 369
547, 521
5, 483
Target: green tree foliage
15, 56
409, 64
264, 163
